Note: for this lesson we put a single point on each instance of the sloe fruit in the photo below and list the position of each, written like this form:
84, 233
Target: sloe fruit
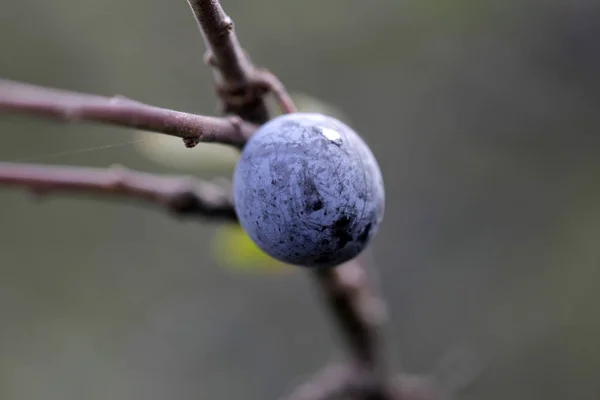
308, 190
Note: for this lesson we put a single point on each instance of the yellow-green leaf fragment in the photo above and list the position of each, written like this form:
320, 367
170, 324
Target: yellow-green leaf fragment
233, 248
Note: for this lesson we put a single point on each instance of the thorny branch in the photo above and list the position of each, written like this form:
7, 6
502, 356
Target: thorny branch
346, 288
180, 195
24, 98
354, 303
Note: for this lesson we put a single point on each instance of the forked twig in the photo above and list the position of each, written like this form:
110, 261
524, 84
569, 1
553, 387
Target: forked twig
240, 85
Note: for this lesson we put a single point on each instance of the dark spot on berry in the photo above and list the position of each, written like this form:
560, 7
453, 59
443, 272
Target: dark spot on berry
340, 231
317, 205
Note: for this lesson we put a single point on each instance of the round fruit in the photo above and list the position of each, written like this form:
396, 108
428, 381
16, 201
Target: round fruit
308, 190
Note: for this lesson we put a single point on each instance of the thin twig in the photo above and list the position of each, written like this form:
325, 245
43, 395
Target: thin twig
66, 106
240, 85
180, 195
270, 83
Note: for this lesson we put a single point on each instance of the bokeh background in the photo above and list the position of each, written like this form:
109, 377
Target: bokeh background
484, 116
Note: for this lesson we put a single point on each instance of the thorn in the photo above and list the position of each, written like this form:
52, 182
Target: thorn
191, 142
227, 25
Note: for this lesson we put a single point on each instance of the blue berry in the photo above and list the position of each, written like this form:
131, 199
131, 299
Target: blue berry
308, 190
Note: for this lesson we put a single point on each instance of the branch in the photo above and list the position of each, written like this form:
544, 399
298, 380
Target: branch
68, 106
240, 85
356, 307
180, 195
346, 288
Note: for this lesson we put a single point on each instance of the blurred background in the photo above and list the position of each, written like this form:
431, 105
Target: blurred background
484, 116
